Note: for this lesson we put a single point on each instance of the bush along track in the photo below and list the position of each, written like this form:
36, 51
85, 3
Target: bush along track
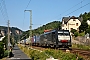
84, 47
47, 53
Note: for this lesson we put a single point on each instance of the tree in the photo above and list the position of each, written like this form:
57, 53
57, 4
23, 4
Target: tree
75, 34
5, 40
1, 50
73, 30
83, 26
87, 30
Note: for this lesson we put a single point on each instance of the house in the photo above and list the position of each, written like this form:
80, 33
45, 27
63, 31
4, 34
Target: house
69, 23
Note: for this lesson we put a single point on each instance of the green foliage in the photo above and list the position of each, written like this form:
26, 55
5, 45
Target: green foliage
57, 54
81, 34
6, 53
40, 30
87, 30
5, 41
1, 49
73, 30
34, 54
84, 47
75, 34
84, 25
60, 55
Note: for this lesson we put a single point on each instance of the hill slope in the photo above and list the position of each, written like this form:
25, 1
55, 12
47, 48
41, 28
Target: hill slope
14, 31
40, 30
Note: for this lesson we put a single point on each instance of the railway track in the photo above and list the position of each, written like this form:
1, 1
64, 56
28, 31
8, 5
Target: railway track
84, 53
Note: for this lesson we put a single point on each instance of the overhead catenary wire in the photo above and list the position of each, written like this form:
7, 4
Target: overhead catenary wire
77, 9
28, 4
71, 7
1, 9
4, 10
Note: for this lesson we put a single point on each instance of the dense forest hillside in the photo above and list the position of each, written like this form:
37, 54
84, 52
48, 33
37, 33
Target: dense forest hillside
40, 30
14, 31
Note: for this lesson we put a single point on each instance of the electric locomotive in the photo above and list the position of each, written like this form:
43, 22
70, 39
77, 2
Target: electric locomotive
56, 38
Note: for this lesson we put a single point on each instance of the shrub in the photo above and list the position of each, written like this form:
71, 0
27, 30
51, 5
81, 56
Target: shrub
82, 34
6, 53
1, 50
84, 47
75, 34
73, 30
57, 54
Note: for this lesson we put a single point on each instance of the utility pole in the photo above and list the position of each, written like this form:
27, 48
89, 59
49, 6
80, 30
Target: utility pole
8, 38
30, 27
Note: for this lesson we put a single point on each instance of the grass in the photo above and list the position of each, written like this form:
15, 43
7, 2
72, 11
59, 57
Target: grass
84, 47
57, 54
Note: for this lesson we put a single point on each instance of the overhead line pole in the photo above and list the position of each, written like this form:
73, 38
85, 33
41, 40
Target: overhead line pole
8, 39
30, 27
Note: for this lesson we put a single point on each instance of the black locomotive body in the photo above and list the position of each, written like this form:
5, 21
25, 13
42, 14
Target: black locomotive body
56, 38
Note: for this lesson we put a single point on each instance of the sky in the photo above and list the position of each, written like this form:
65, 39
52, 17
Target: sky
43, 11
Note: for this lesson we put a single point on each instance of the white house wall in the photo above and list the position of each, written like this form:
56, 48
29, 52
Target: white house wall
64, 27
71, 24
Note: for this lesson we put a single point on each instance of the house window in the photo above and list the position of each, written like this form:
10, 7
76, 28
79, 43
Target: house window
74, 20
76, 24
